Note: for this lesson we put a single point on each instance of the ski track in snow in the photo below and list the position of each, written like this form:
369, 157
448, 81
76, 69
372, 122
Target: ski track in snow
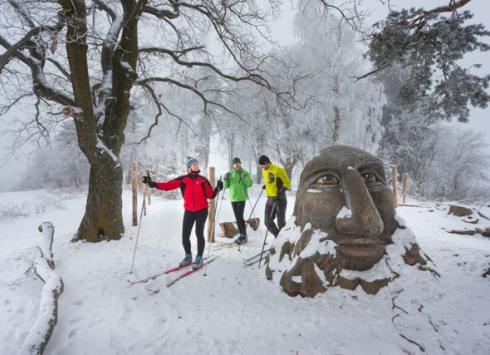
226, 308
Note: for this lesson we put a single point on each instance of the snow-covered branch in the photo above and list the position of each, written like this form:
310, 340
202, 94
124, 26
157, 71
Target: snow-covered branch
43, 327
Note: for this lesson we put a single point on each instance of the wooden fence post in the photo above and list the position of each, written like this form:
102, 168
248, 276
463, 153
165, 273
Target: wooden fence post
393, 181
148, 194
145, 192
134, 181
212, 207
404, 187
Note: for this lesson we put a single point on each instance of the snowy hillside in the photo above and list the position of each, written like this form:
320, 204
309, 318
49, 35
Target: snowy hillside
227, 308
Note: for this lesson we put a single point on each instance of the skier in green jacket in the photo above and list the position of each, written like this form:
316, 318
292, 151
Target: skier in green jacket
238, 180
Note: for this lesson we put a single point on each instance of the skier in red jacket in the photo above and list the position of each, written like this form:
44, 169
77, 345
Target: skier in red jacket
196, 190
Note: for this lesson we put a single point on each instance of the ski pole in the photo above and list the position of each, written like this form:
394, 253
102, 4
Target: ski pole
214, 224
141, 216
221, 204
252, 212
265, 238
253, 208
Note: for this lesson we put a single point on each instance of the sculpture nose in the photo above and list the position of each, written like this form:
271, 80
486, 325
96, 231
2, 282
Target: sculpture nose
364, 218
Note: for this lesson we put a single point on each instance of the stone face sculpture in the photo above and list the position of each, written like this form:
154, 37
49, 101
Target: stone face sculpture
344, 219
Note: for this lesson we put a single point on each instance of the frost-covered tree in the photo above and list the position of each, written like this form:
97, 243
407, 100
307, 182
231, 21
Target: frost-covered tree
436, 155
86, 59
341, 109
59, 164
431, 46
333, 109
460, 163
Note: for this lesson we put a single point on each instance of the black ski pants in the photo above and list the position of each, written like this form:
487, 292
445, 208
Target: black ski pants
275, 208
199, 218
238, 210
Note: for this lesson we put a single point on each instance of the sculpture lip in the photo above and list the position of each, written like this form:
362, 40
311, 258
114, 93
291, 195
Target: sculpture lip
356, 240
361, 249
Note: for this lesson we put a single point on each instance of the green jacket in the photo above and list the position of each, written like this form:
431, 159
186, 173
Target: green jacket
272, 175
238, 187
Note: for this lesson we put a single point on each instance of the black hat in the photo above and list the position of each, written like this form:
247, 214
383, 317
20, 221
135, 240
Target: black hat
264, 159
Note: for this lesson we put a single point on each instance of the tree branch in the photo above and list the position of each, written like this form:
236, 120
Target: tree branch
177, 55
159, 106
40, 333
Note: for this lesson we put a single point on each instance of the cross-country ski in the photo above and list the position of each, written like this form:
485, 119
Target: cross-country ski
146, 279
256, 256
153, 277
181, 276
256, 259
225, 245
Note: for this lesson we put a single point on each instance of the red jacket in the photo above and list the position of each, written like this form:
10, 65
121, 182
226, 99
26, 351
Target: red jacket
195, 188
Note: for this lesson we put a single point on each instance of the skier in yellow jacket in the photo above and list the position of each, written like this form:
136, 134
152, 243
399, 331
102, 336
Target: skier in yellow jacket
276, 183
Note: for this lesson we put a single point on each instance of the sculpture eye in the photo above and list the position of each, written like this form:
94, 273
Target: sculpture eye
328, 179
369, 177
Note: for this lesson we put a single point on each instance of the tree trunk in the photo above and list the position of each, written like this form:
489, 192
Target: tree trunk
100, 139
231, 146
103, 213
336, 130
289, 171
336, 110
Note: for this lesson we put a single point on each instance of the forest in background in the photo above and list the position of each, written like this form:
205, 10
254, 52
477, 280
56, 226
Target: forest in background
403, 111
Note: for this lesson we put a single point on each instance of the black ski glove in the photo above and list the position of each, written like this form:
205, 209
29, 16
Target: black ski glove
227, 176
281, 194
263, 187
219, 186
147, 180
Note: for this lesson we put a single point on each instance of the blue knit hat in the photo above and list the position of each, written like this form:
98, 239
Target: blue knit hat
190, 161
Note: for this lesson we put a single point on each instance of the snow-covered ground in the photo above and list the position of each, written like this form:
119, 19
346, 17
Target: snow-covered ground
227, 308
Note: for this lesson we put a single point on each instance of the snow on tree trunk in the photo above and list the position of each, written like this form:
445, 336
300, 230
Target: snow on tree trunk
38, 338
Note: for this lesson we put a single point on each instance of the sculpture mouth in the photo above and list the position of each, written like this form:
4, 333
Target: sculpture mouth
356, 240
359, 241
361, 249
360, 257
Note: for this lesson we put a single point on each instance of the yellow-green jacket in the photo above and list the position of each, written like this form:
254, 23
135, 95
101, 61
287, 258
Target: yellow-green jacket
275, 177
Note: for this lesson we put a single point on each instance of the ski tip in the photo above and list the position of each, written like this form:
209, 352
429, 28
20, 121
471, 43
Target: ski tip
137, 282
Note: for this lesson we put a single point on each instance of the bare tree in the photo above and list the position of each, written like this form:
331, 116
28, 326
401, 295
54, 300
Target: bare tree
111, 49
